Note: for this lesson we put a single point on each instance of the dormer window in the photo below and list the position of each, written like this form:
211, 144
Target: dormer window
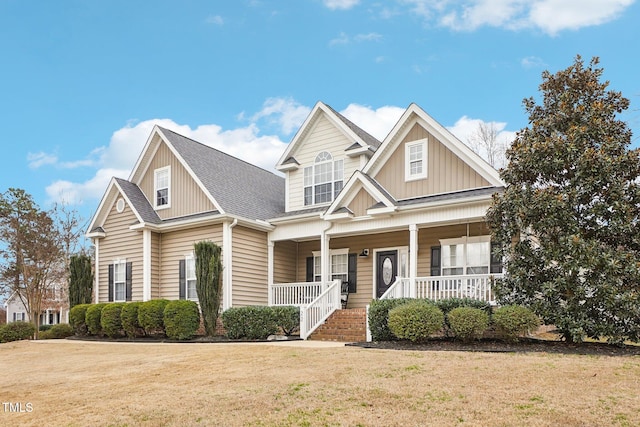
324, 180
162, 183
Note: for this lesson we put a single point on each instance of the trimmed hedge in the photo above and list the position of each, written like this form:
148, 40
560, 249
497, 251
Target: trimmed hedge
252, 322
43, 328
151, 316
512, 321
181, 319
110, 320
287, 318
379, 317
416, 320
16, 331
77, 318
59, 331
92, 318
468, 323
129, 319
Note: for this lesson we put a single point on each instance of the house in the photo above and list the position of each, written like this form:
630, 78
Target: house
374, 219
56, 311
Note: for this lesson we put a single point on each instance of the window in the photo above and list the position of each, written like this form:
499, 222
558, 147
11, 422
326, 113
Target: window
339, 265
415, 160
119, 281
324, 180
466, 255
191, 292
162, 183
19, 317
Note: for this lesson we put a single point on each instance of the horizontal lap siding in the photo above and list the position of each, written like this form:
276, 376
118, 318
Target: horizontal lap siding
284, 262
250, 283
175, 246
120, 243
155, 265
446, 172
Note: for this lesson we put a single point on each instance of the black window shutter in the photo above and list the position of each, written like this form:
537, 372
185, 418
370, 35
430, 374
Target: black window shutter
353, 271
110, 282
182, 275
128, 281
496, 261
310, 269
435, 260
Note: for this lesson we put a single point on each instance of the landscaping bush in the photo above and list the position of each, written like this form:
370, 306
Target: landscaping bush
16, 331
416, 320
129, 319
446, 305
59, 331
151, 316
77, 318
379, 317
43, 328
253, 322
512, 321
92, 318
287, 318
468, 323
110, 320
181, 319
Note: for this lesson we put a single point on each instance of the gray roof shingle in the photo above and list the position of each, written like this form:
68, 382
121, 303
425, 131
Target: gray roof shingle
140, 202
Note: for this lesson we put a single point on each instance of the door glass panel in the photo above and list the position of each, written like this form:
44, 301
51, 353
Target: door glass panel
387, 271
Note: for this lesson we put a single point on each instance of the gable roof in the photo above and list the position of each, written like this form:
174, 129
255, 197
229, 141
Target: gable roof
415, 114
361, 139
384, 201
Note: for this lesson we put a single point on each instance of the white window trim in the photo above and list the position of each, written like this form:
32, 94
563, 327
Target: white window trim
155, 187
332, 181
189, 258
407, 159
464, 240
122, 262
317, 258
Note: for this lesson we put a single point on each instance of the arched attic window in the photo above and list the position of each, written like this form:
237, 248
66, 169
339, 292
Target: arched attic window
323, 180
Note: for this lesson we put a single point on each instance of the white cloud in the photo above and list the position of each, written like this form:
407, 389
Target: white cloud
378, 122
532, 62
286, 113
368, 37
344, 38
550, 16
215, 20
340, 4
41, 158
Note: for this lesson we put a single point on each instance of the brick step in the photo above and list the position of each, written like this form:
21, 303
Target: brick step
347, 325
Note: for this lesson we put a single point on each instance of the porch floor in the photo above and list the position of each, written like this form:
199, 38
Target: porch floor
347, 325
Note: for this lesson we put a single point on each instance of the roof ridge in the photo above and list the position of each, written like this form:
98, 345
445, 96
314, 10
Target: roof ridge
219, 151
357, 129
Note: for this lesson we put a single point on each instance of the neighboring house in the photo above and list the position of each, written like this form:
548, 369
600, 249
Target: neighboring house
54, 313
404, 216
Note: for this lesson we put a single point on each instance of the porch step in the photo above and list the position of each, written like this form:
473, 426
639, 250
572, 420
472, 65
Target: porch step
348, 325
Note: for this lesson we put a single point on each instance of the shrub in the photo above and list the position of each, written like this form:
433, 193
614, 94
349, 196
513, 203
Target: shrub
92, 318
512, 321
253, 322
287, 318
379, 317
16, 331
59, 331
110, 320
181, 319
43, 328
151, 316
468, 323
77, 318
446, 305
129, 319
416, 320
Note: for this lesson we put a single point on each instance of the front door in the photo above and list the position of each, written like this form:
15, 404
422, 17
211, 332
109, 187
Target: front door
386, 270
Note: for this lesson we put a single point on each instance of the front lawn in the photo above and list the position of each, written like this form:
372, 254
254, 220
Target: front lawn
71, 383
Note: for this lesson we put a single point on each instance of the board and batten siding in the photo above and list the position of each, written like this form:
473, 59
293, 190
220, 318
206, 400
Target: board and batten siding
285, 262
185, 196
175, 246
120, 243
323, 136
361, 203
250, 265
446, 172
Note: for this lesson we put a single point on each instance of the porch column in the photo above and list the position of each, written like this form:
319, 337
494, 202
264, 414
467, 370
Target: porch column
270, 245
325, 257
146, 265
96, 279
413, 258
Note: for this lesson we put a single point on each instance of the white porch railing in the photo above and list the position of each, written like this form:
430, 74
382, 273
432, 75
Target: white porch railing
317, 301
475, 286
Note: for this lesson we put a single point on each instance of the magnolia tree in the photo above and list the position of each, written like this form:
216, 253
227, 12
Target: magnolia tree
567, 223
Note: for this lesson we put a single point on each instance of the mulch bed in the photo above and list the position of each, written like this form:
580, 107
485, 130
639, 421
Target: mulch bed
526, 345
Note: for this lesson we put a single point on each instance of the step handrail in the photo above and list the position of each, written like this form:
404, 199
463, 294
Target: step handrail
319, 310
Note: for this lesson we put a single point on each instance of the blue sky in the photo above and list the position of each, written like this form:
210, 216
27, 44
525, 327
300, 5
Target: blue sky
83, 82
